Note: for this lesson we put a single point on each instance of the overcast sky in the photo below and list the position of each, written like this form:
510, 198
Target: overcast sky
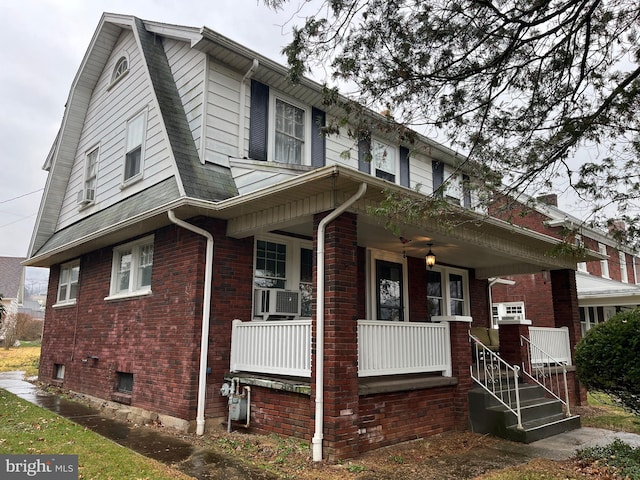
42, 45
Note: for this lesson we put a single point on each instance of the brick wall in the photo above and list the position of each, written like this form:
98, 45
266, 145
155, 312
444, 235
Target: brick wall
341, 338
532, 289
155, 337
391, 418
417, 289
281, 412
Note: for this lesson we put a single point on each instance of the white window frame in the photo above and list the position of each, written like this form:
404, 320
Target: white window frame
292, 260
118, 71
89, 177
503, 311
581, 266
380, 148
372, 256
306, 149
134, 288
68, 270
624, 275
604, 264
132, 144
446, 294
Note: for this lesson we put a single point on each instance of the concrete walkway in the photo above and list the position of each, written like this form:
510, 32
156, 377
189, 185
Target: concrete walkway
559, 447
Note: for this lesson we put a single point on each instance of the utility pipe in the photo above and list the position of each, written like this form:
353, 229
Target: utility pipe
319, 423
243, 95
206, 310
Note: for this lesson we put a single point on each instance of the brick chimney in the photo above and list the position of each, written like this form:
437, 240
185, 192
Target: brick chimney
548, 199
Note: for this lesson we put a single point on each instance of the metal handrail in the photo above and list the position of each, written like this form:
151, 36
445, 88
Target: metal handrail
498, 377
542, 372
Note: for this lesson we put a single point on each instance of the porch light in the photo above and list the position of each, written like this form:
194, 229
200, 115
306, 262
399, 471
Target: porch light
431, 257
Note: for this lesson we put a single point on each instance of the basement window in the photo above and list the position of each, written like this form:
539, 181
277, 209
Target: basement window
125, 383
58, 371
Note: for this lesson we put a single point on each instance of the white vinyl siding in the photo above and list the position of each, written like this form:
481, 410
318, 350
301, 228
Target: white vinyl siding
223, 116
105, 124
187, 66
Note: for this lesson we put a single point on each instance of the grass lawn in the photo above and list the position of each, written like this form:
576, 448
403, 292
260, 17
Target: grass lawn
603, 412
28, 429
25, 358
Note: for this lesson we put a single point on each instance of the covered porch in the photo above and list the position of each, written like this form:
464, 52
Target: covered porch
385, 347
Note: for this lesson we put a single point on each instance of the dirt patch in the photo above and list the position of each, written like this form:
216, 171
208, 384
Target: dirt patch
457, 455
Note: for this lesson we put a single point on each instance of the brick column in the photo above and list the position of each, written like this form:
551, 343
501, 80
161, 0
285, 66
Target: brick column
567, 314
460, 362
340, 338
511, 349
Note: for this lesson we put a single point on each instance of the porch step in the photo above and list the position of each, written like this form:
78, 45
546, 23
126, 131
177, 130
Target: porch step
541, 417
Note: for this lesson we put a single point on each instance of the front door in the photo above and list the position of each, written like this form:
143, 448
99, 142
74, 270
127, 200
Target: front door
389, 291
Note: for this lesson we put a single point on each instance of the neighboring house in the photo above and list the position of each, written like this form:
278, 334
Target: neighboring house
605, 286
191, 206
11, 289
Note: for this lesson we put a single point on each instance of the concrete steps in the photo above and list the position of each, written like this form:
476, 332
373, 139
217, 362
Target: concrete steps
541, 416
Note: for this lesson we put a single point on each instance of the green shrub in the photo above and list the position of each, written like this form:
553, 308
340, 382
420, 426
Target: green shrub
607, 358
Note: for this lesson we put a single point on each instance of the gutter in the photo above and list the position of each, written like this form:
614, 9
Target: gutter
319, 422
206, 310
243, 100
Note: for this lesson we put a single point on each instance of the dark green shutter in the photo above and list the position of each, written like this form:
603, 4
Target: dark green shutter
258, 121
404, 167
364, 154
318, 140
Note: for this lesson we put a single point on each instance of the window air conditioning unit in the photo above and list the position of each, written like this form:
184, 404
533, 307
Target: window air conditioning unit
86, 195
280, 303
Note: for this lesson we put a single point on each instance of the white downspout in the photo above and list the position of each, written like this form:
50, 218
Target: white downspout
243, 96
206, 310
319, 424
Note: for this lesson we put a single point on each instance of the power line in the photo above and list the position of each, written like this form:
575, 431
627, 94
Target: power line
20, 196
16, 221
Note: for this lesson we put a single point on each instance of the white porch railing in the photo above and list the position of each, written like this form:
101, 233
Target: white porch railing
384, 348
547, 371
281, 347
497, 377
550, 342
391, 348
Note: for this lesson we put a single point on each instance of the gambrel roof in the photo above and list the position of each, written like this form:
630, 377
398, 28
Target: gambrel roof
194, 180
197, 187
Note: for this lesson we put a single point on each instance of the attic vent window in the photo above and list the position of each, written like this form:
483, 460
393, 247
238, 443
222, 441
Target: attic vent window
120, 70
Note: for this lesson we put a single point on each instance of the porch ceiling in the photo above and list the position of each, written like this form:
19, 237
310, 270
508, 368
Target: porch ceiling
491, 247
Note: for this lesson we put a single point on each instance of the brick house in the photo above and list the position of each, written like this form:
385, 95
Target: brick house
191, 206
605, 286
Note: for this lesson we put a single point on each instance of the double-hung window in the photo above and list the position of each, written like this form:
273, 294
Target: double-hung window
88, 192
132, 268
134, 155
384, 160
624, 276
447, 291
271, 265
604, 264
284, 263
290, 132
68, 283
